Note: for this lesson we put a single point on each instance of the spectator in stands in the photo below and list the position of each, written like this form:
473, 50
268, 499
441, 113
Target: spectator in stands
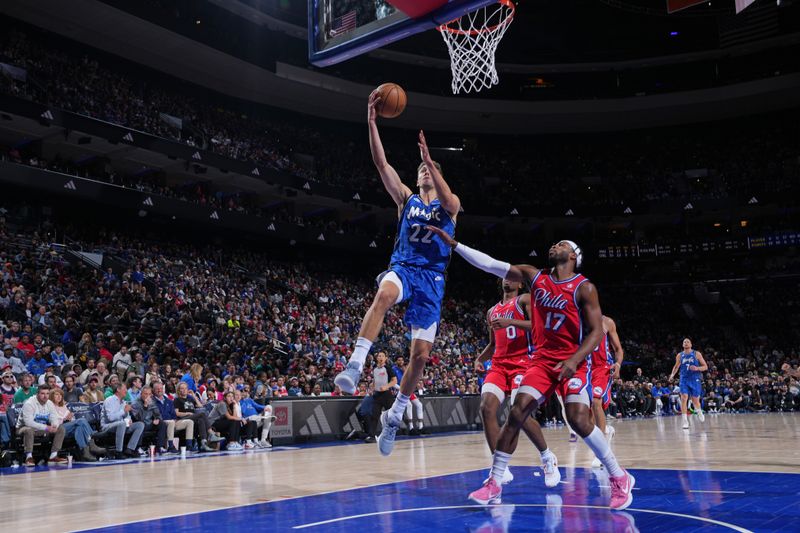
101, 367
147, 411
258, 413
115, 418
134, 388
50, 372
93, 393
26, 389
121, 361
249, 426
83, 377
193, 377
170, 419
72, 393
78, 428
225, 419
59, 358
40, 418
188, 407
7, 390
38, 364
8, 358
25, 348
294, 388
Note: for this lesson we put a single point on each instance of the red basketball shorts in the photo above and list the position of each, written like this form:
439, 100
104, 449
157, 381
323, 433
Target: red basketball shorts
541, 380
601, 383
505, 375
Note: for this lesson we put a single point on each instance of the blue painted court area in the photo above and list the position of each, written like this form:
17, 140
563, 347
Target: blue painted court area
665, 500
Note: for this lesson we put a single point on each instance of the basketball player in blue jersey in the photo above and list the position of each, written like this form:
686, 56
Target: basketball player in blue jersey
691, 364
416, 272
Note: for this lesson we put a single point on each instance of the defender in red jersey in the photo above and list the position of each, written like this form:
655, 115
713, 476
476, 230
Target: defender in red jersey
606, 363
565, 304
510, 351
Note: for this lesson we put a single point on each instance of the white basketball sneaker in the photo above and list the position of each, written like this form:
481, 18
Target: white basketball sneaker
550, 467
685, 422
348, 378
508, 477
610, 432
386, 438
701, 416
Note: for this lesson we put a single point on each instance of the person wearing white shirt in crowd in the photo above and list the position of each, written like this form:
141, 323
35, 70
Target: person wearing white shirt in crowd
122, 360
39, 417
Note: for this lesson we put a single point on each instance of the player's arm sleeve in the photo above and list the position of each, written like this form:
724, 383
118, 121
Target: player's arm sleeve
483, 261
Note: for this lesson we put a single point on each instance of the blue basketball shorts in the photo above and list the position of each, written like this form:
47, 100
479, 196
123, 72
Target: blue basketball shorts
423, 289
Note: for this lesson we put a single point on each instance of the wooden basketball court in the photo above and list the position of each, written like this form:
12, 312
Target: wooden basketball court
734, 472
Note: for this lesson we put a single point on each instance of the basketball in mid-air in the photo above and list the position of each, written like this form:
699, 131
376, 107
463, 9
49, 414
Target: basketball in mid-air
393, 100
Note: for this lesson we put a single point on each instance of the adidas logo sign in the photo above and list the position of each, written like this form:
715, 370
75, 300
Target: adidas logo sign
569, 213
307, 186
688, 206
47, 115
214, 215
271, 227
197, 156
533, 254
321, 237
70, 185
316, 423
753, 200
148, 201
128, 137
627, 211
514, 211
356, 196
373, 245
255, 172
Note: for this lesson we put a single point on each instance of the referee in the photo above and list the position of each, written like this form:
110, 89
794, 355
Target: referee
383, 380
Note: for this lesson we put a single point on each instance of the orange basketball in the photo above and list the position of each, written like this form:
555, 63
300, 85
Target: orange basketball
393, 100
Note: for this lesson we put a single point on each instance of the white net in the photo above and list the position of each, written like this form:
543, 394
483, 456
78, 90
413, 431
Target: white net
472, 42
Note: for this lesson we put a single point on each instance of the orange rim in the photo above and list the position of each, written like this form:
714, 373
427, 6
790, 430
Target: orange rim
488, 29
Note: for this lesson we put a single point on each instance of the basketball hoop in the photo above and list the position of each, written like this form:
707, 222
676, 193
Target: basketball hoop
472, 42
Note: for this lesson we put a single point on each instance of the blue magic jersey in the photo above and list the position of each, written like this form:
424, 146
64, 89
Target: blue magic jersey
416, 246
689, 359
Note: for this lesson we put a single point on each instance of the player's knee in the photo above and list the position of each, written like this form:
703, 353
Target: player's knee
384, 298
517, 416
579, 421
488, 405
420, 355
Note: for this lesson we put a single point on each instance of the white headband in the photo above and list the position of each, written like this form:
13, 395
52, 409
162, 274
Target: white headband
577, 250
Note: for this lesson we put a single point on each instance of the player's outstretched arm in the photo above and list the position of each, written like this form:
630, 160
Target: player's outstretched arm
478, 259
394, 185
590, 308
450, 202
616, 345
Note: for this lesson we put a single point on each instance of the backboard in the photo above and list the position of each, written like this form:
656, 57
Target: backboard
341, 29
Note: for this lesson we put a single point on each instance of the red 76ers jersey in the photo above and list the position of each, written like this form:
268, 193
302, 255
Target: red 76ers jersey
511, 341
601, 356
557, 324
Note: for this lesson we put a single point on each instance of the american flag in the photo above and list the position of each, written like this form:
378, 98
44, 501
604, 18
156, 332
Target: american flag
344, 24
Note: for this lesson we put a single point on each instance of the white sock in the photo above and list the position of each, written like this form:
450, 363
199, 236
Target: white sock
28, 455
419, 424
399, 406
361, 351
545, 454
597, 442
499, 465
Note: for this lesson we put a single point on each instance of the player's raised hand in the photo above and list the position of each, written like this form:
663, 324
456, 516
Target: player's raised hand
567, 369
372, 105
479, 366
424, 153
447, 239
616, 368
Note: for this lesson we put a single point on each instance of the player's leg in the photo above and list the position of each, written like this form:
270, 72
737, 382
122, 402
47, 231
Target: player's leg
533, 430
425, 289
696, 393
684, 406
577, 401
492, 397
524, 405
390, 292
